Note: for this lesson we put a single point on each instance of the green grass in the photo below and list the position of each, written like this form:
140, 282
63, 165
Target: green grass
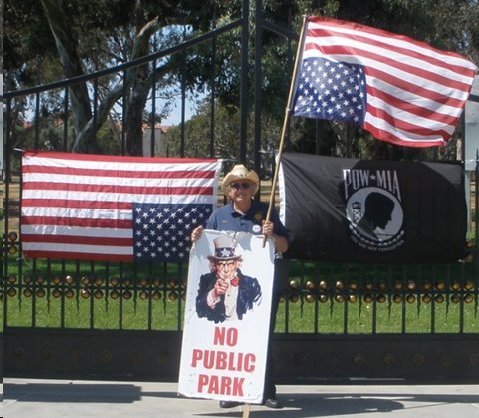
95, 314
366, 318
302, 316
324, 318
329, 317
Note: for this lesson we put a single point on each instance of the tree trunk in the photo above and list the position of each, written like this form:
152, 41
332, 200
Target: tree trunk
137, 84
72, 67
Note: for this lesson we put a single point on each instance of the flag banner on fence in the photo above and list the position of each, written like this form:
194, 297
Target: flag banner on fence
98, 207
400, 90
339, 209
225, 334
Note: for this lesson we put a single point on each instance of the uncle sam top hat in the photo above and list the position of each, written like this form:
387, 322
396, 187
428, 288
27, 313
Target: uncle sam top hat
224, 249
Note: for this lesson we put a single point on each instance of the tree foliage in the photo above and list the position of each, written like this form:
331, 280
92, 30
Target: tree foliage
78, 37
48, 40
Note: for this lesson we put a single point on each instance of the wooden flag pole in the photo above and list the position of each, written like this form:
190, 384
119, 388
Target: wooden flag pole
286, 118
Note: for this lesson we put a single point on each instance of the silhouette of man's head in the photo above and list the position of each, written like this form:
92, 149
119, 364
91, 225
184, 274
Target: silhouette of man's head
378, 209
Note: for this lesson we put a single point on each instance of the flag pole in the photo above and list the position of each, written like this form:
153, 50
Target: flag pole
299, 54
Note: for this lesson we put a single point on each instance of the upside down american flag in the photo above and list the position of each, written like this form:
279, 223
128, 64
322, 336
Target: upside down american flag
97, 207
400, 90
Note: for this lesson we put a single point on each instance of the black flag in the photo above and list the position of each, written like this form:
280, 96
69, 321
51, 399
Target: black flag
339, 209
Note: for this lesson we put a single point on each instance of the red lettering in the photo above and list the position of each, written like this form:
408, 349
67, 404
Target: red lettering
238, 386
209, 361
213, 387
219, 337
249, 362
197, 355
232, 337
221, 360
225, 385
235, 362
220, 385
231, 365
202, 381
228, 336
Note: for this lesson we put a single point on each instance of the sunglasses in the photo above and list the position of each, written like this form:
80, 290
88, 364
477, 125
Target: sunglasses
237, 186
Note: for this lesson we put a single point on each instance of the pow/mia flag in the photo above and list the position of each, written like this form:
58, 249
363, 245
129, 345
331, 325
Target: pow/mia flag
339, 209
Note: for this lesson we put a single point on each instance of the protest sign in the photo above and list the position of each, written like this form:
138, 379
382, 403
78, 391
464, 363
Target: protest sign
227, 316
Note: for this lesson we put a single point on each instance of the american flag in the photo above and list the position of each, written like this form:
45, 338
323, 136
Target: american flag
96, 207
400, 90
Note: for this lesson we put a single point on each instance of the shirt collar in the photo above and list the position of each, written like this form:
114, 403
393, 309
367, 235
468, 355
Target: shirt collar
250, 210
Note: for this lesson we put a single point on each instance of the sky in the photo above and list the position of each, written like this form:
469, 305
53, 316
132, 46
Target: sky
175, 117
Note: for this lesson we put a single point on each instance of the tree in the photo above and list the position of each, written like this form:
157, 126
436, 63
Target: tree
86, 36
92, 34
197, 132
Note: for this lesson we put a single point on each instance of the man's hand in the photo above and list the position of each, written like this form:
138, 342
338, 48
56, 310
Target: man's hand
196, 234
268, 228
280, 243
221, 286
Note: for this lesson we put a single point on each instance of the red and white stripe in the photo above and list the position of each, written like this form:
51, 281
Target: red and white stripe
80, 206
415, 93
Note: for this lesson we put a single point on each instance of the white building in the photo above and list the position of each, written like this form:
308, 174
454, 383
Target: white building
159, 141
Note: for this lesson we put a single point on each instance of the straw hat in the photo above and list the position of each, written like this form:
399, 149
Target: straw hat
240, 172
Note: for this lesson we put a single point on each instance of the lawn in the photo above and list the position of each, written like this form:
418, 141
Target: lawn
151, 297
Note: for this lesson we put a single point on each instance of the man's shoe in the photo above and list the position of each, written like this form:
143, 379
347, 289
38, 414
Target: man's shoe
229, 404
272, 403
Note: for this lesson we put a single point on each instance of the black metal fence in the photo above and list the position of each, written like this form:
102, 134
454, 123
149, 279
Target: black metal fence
335, 320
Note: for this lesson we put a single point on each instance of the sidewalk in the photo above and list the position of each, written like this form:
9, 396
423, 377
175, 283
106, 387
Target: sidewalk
24, 398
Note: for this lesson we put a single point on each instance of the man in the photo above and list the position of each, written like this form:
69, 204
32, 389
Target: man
226, 293
243, 213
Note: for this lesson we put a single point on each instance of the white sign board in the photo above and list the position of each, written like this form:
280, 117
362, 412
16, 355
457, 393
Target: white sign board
472, 128
224, 347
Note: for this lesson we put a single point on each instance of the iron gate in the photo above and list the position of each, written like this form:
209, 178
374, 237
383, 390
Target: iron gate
106, 320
